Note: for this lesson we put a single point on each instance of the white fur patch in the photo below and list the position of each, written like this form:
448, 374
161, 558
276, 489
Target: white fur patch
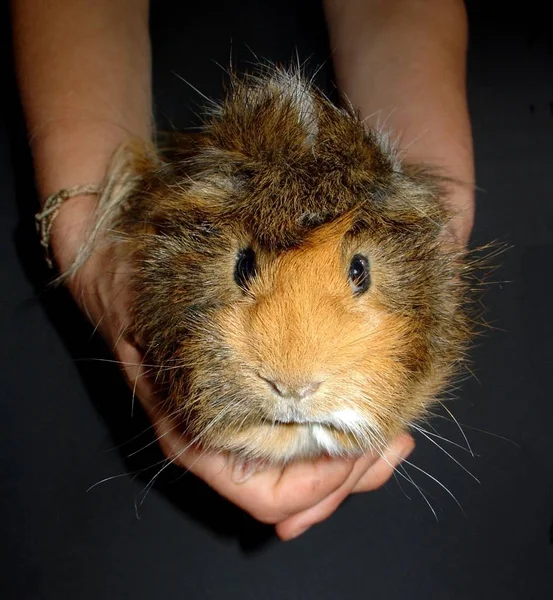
347, 418
324, 439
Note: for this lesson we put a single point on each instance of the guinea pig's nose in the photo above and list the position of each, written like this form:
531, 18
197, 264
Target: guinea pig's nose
299, 392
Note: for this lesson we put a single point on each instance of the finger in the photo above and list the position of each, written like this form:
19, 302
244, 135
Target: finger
276, 493
383, 469
130, 361
132, 365
299, 523
367, 475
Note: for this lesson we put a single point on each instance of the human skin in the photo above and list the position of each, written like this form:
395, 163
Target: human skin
402, 64
84, 76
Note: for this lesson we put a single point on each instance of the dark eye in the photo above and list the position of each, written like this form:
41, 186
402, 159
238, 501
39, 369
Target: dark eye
359, 275
245, 267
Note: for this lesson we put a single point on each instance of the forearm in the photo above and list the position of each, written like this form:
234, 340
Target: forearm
402, 64
83, 70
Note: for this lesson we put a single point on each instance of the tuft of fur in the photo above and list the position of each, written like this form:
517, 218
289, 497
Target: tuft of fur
281, 170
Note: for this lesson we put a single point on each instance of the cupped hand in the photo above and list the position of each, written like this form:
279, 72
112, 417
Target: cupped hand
294, 497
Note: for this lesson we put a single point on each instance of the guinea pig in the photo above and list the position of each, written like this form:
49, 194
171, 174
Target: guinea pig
294, 274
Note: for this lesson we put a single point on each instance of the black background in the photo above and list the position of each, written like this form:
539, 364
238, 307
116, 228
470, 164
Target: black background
65, 420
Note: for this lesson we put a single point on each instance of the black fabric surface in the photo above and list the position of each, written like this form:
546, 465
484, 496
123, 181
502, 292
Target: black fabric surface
66, 419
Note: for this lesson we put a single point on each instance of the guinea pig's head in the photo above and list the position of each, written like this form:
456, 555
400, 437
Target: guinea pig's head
292, 281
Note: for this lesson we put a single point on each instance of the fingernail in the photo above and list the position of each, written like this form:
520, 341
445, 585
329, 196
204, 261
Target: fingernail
298, 532
405, 452
242, 470
396, 457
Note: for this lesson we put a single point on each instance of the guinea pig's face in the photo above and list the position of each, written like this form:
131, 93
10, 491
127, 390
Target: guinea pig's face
318, 355
300, 352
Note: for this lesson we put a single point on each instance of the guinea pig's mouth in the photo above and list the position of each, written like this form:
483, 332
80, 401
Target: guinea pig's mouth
294, 421
291, 415
343, 420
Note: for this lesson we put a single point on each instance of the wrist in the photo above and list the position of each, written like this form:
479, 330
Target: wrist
72, 152
69, 229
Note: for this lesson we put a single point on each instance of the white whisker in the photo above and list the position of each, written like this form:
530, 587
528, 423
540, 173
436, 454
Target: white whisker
436, 481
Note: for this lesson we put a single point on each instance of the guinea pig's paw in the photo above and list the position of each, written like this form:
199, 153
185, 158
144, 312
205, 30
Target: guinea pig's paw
244, 469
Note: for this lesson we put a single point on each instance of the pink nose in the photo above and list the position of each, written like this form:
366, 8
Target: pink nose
297, 392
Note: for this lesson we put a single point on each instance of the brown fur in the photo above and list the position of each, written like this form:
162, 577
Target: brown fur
280, 169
